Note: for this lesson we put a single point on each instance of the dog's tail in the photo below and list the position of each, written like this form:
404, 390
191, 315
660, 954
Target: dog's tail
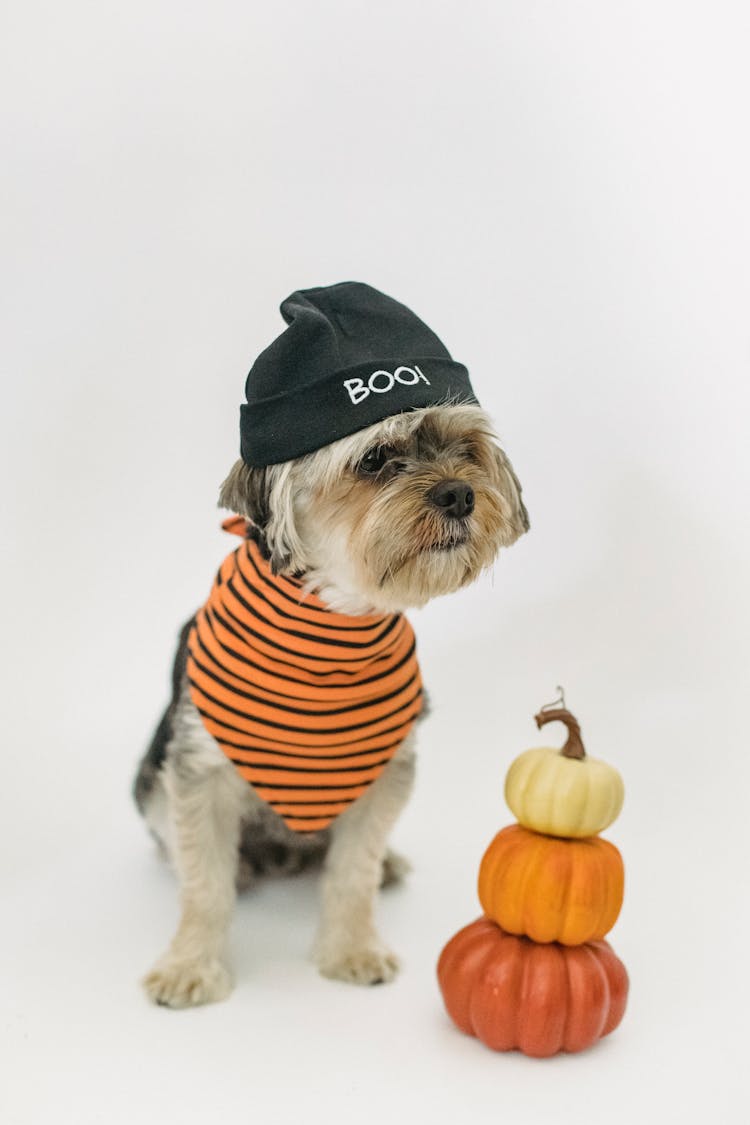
153, 759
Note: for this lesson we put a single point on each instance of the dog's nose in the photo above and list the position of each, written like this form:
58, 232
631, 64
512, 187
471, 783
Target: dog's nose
453, 498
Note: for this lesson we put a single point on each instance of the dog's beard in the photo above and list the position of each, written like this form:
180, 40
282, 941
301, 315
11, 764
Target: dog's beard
392, 551
381, 543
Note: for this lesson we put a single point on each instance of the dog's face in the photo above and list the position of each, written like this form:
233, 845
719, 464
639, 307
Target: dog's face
410, 508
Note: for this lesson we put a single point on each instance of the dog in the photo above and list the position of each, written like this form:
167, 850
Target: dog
338, 540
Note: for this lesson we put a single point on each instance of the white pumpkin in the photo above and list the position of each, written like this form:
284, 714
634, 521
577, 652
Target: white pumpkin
563, 792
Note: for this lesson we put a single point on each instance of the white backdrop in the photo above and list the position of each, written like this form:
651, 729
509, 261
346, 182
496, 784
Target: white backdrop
560, 190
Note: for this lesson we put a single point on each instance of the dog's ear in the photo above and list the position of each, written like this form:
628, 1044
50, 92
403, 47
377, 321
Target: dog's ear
245, 491
248, 491
511, 487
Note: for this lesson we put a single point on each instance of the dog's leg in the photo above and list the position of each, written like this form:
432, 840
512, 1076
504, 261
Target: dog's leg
205, 796
348, 946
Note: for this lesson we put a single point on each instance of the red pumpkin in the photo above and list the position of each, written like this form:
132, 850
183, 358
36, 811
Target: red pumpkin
540, 999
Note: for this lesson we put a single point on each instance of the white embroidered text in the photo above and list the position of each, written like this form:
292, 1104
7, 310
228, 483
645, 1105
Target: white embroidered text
380, 382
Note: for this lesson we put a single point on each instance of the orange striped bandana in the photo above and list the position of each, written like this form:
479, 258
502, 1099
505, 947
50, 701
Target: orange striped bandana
308, 704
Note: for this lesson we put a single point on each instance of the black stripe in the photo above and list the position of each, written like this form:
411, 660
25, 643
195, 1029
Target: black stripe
313, 801
309, 816
240, 631
373, 701
298, 620
310, 637
277, 659
243, 659
249, 663
259, 785
319, 770
224, 741
312, 757
293, 751
300, 729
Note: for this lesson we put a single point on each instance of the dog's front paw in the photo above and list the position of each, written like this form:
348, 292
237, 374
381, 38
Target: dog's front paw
182, 983
360, 966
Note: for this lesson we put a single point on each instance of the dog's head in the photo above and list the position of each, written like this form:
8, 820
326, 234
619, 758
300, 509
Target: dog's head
412, 507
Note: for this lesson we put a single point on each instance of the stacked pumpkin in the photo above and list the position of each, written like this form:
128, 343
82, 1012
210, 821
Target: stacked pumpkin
535, 973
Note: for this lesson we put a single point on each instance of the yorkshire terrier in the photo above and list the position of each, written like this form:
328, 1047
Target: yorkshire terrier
370, 481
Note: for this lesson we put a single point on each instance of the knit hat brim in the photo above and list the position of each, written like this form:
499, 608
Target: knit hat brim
358, 397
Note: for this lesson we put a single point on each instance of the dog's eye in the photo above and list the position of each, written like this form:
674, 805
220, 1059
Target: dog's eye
374, 459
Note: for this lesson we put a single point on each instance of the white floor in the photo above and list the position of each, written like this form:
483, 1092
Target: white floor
88, 905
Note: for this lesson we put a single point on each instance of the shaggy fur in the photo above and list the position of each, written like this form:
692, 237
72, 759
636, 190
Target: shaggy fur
359, 523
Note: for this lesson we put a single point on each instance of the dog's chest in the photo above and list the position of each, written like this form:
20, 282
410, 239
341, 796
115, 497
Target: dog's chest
309, 705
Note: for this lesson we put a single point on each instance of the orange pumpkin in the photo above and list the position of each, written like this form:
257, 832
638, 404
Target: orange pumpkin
551, 889
540, 999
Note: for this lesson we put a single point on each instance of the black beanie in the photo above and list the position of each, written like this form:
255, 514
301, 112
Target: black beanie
350, 357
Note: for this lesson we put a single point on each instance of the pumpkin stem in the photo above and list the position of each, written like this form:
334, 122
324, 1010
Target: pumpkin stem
573, 747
